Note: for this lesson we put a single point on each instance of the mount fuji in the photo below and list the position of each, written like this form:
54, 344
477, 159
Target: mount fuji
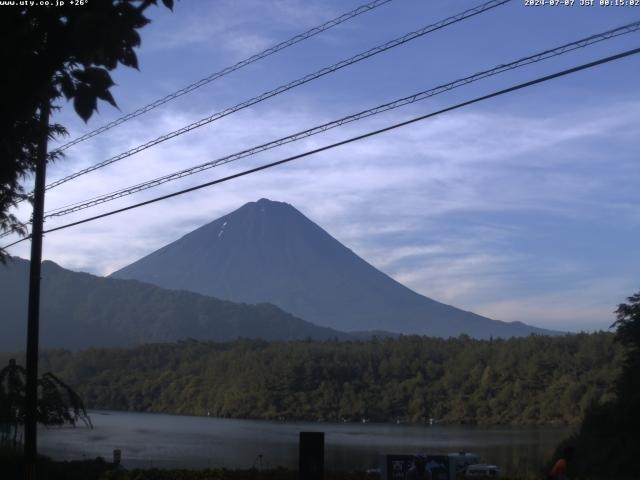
268, 251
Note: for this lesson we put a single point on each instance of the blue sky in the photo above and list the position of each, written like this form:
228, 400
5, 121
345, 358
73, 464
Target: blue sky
523, 208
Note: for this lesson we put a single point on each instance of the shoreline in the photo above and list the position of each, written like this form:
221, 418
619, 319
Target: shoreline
293, 420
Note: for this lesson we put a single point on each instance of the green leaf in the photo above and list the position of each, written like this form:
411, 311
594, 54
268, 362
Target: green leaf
85, 102
168, 4
132, 38
95, 77
79, 75
128, 57
67, 86
107, 97
99, 78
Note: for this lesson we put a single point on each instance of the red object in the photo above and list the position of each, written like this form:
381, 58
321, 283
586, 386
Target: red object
559, 470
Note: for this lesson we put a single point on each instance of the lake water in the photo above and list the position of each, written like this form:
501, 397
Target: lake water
165, 441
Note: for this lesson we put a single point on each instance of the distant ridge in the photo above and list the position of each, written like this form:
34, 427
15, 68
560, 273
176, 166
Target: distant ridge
268, 251
79, 310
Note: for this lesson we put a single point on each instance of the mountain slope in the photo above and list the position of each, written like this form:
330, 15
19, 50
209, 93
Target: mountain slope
79, 310
270, 252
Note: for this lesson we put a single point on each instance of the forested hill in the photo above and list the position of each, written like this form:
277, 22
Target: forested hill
79, 310
533, 380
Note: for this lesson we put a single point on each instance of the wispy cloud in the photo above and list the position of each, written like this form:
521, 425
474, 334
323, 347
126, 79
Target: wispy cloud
237, 28
393, 198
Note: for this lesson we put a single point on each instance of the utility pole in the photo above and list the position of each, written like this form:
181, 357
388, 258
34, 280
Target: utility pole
33, 322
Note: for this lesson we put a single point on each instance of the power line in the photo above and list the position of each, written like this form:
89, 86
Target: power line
16, 242
550, 53
283, 88
226, 71
520, 86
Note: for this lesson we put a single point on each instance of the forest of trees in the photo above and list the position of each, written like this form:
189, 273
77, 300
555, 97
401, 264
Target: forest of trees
606, 445
533, 380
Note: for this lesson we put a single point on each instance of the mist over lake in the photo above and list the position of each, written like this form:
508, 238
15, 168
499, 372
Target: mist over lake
166, 441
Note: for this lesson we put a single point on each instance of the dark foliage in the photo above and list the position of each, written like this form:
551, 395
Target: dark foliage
607, 445
12, 468
58, 404
534, 380
97, 469
49, 53
223, 474
628, 334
